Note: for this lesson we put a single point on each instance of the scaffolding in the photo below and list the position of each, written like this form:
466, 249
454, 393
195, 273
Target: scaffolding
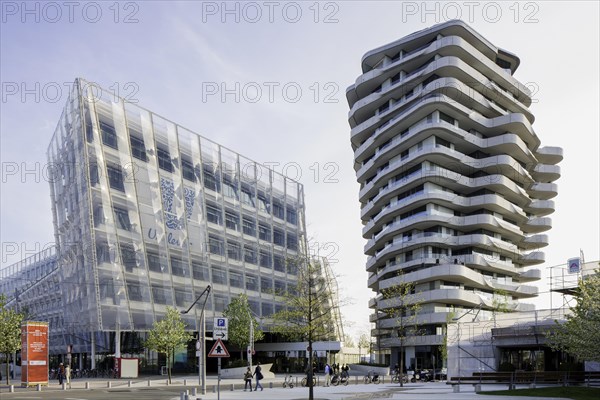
564, 279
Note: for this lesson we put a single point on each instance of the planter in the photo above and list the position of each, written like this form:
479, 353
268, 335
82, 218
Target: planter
363, 369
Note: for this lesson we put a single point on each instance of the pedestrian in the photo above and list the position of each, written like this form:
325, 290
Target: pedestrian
11, 367
328, 373
248, 380
61, 373
68, 375
258, 374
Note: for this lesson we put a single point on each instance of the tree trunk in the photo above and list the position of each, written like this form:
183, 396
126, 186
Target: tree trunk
401, 365
169, 366
7, 371
310, 371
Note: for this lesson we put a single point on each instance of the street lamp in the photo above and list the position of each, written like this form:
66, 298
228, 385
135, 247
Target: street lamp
201, 339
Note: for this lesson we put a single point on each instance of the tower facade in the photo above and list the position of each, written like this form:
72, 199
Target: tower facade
455, 189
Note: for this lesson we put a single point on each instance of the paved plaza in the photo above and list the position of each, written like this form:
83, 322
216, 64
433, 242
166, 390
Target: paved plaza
159, 390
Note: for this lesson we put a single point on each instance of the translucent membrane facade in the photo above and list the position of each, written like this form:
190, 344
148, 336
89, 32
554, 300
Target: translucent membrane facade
148, 213
455, 188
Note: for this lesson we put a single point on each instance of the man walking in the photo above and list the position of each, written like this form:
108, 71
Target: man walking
328, 372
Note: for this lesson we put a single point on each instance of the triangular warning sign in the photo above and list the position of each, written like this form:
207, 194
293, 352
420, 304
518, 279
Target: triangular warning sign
218, 350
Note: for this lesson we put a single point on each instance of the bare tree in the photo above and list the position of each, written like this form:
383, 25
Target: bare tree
311, 308
401, 303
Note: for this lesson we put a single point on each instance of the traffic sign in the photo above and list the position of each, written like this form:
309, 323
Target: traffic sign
218, 350
220, 328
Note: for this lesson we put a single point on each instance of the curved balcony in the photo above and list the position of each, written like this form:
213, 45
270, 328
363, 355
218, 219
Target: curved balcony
537, 225
530, 275
534, 242
549, 154
540, 207
543, 191
546, 172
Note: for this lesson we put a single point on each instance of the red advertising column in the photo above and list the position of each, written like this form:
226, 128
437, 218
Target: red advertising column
34, 353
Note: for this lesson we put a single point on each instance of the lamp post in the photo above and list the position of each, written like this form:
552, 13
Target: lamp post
201, 339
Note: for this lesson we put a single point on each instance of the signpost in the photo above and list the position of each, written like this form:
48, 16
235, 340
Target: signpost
220, 351
220, 328
34, 353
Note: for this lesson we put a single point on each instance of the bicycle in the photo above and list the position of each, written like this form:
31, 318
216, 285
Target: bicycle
305, 381
371, 378
396, 378
339, 379
288, 382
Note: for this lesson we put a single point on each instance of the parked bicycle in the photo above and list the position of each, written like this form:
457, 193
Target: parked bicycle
371, 377
339, 379
396, 378
305, 381
288, 382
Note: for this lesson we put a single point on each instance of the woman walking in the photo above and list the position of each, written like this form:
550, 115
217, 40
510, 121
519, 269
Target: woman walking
258, 374
248, 380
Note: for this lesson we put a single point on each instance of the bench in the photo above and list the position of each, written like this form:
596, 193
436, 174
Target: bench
565, 378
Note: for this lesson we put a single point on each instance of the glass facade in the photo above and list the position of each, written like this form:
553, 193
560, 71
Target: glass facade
151, 213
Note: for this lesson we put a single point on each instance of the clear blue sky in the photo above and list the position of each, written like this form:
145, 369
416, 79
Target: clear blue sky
289, 64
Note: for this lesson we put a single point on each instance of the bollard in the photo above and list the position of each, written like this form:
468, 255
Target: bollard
185, 382
194, 392
356, 380
214, 389
231, 389
181, 395
109, 384
128, 383
11, 388
532, 386
477, 388
149, 383
39, 388
270, 385
87, 385
456, 388
64, 386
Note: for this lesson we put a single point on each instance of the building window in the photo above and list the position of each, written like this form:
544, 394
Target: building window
247, 197
232, 220
250, 255
115, 178
219, 275
292, 241
187, 170
279, 263
266, 285
267, 309
279, 287
292, 267
446, 118
161, 295
134, 292
278, 210
264, 232
138, 149
265, 259
179, 267
249, 226
278, 237
164, 160
291, 215
122, 218
156, 263
210, 181
216, 245
109, 136
263, 203
251, 282
229, 189
128, 256
254, 307
221, 302
200, 272
236, 280
233, 250
182, 298
213, 214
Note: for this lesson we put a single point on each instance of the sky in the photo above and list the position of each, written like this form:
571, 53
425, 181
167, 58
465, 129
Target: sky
268, 80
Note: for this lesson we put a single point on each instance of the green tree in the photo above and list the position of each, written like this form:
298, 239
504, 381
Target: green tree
310, 309
364, 342
167, 335
401, 303
580, 334
239, 316
10, 332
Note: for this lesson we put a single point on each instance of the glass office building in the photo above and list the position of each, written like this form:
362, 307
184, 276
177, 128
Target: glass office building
148, 213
